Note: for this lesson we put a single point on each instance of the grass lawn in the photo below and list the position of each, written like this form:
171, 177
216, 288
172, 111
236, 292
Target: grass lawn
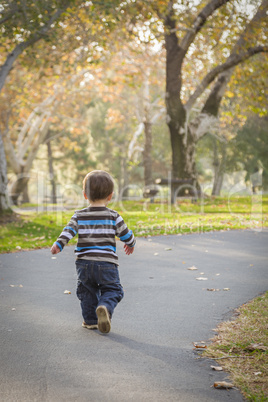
36, 230
241, 348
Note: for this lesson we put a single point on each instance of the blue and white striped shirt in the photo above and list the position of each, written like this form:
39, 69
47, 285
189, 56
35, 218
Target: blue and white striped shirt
97, 228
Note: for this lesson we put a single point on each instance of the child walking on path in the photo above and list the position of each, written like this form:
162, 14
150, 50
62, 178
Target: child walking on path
98, 288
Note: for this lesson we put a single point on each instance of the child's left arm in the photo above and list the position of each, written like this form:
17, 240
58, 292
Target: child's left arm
128, 250
55, 249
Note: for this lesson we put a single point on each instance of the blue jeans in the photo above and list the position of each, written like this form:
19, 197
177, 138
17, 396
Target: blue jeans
98, 285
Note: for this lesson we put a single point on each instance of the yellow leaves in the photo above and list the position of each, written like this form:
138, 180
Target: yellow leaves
76, 130
229, 94
77, 149
114, 117
72, 145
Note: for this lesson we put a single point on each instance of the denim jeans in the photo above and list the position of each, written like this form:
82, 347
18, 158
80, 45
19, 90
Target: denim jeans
98, 284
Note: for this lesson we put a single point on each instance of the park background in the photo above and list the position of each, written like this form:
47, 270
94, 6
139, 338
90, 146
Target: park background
145, 90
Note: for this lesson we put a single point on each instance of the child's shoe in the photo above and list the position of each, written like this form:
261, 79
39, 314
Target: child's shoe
104, 320
93, 326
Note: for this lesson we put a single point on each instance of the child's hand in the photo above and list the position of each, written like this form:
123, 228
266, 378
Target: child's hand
55, 249
128, 250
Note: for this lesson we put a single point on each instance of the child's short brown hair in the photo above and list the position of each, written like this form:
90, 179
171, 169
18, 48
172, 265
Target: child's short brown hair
98, 185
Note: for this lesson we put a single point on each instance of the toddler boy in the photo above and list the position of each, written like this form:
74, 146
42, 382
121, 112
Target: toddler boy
98, 288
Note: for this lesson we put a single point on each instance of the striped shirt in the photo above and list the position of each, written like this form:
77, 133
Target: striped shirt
97, 228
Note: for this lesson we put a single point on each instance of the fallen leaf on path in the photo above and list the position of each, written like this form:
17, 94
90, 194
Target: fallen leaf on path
200, 345
67, 292
168, 248
223, 384
193, 268
16, 286
201, 279
217, 368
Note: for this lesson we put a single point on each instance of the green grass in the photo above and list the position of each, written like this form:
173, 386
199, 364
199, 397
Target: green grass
241, 348
34, 230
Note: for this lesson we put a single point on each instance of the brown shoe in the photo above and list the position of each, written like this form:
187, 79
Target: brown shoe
104, 320
93, 326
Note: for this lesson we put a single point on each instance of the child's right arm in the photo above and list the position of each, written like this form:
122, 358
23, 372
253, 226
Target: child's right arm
68, 232
125, 235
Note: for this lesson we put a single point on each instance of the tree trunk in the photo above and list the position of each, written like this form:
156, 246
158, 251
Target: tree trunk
147, 154
123, 180
214, 99
19, 186
184, 135
182, 141
51, 173
147, 122
25, 194
25, 160
3, 178
219, 167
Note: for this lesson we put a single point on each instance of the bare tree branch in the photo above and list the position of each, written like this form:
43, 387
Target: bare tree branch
232, 61
176, 50
38, 140
213, 101
7, 66
261, 14
13, 9
7, 17
202, 17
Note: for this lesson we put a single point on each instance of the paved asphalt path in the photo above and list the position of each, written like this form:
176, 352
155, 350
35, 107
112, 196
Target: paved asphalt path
46, 355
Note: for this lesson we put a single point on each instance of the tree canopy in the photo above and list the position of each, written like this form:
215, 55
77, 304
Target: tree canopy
100, 79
